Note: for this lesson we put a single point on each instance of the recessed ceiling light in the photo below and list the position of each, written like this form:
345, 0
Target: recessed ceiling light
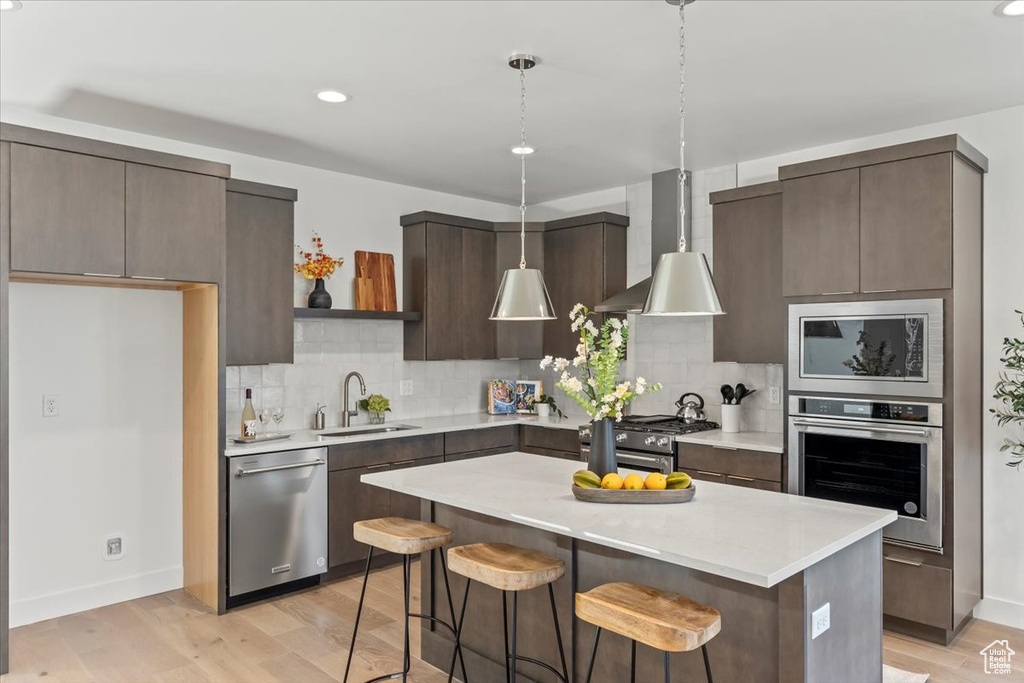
523, 150
332, 96
10, 5
1011, 8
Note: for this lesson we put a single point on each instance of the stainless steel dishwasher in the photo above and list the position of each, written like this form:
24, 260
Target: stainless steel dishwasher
277, 518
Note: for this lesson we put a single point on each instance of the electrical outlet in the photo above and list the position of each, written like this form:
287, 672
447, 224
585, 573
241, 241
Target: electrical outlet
774, 395
405, 387
113, 548
820, 620
51, 405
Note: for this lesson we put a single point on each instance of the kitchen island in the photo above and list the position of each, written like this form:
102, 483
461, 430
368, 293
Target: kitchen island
765, 560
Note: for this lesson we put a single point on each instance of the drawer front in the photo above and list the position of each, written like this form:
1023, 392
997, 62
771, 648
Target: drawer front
917, 592
347, 456
455, 457
564, 455
742, 463
548, 438
754, 483
486, 438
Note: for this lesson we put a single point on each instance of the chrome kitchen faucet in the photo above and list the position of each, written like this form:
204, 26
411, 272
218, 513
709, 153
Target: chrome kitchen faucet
345, 413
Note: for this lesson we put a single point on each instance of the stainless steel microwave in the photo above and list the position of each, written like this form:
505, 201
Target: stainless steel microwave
880, 348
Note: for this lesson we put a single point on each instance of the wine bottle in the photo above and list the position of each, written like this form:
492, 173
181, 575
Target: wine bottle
248, 416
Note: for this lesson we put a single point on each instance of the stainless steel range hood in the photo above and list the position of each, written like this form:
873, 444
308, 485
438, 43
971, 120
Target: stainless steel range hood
664, 238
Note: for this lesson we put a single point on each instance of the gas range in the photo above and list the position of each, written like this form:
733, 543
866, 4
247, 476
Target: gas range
650, 433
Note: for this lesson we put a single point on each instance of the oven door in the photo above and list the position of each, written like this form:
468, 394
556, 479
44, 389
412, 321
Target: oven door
643, 462
887, 348
892, 467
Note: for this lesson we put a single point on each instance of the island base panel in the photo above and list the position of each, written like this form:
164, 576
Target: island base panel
765, 631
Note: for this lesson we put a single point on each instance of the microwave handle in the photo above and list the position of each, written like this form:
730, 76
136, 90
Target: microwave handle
837, 430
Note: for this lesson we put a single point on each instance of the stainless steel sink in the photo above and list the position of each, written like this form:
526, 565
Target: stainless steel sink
362, 431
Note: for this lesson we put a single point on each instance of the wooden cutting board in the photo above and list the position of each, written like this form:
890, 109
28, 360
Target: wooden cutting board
375, 282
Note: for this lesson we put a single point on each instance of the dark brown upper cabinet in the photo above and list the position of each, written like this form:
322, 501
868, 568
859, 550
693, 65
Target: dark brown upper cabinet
520, 339
748, 274
585, 262
259, 281
477, 291
67, 212
174, 224
821, 234
906, 225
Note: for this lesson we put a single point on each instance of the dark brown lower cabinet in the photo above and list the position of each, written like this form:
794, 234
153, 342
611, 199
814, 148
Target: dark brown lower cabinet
350, 500
403, 505
551, 441
916, 591
738, 465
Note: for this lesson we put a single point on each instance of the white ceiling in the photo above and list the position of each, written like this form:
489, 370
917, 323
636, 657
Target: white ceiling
435, 105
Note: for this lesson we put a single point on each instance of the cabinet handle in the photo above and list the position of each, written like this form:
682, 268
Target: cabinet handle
900, 560
378, 467
709, 474
403, 462
736, 476
834, 293
147, 277
878, 291
101, 275
724, 448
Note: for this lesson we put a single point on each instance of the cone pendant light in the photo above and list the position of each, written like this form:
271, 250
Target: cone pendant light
682, 283
522, 294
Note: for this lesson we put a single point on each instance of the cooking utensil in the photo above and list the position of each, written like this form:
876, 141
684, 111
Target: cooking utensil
691, 411
742, 392
379, 269
727, 394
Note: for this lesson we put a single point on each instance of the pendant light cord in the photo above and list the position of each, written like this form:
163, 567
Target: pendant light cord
522, 162
682, 120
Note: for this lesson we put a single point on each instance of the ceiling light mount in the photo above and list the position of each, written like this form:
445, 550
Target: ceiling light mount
1011, 8
332, 96
520, 150
524, 60
675, 3
10, 5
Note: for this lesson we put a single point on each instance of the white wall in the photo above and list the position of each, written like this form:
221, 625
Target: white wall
1000, 136
110, 463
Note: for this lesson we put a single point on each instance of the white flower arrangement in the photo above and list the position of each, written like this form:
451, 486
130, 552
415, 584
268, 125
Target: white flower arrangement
598, 355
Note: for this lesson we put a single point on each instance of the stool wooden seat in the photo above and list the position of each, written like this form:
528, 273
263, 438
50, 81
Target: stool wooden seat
400, 535
505, 567
663, 620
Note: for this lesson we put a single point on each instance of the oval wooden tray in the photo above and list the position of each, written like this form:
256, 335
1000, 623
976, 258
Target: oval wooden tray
641, 497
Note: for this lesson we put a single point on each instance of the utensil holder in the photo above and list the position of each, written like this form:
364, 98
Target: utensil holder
730, 418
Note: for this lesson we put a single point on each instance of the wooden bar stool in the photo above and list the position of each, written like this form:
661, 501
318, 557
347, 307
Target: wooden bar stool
406, 537
512, 569
665, 621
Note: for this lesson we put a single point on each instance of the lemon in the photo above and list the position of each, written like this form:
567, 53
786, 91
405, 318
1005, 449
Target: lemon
611, 481
656, 481
634, 482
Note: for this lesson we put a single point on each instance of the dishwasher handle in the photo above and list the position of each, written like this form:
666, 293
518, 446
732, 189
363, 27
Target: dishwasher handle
277, 468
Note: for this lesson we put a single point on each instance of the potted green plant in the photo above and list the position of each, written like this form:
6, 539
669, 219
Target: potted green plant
594, 383
376, 405
1009, 390
546, 405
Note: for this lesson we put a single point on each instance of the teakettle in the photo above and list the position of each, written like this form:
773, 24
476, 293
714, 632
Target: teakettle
691, 411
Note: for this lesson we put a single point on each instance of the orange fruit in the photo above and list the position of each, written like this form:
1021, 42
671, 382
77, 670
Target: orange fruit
656, 481
633, 482
611, 481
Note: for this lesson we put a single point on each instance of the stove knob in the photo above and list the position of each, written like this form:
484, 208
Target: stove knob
585, 432
650, 440
663, 441
620, 437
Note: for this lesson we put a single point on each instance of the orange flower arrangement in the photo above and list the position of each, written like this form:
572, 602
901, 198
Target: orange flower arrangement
317, 265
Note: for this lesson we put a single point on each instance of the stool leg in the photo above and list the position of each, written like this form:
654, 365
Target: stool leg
504, 627
707, 663
451, 610
593, 655
359, 612
558, 633
632, 662
407, 573
515, 619
668, 675
458, 631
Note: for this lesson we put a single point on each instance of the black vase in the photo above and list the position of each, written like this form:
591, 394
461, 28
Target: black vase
602, 447
319, 297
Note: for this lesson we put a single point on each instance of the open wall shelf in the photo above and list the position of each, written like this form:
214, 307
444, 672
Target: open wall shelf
349, 314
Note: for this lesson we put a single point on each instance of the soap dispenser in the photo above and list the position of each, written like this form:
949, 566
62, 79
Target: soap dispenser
319, 417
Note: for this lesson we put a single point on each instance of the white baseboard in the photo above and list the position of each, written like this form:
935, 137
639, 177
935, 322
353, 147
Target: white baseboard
40, 608
1002, 612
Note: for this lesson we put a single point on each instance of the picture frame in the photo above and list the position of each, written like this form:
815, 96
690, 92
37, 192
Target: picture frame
528, 393
501, 397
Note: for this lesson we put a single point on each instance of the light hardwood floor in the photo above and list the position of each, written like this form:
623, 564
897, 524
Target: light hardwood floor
304, 638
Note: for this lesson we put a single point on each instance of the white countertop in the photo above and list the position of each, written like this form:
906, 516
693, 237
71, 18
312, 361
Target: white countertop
747, 441
757, 537
309, 438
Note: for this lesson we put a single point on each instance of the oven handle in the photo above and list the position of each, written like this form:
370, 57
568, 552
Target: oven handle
840, 430
643, 460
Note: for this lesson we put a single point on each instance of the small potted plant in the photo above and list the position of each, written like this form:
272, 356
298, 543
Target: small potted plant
376, 405
546, 405
317, 265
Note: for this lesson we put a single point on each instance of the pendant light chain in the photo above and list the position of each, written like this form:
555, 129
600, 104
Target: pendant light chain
522, 161
682, 120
